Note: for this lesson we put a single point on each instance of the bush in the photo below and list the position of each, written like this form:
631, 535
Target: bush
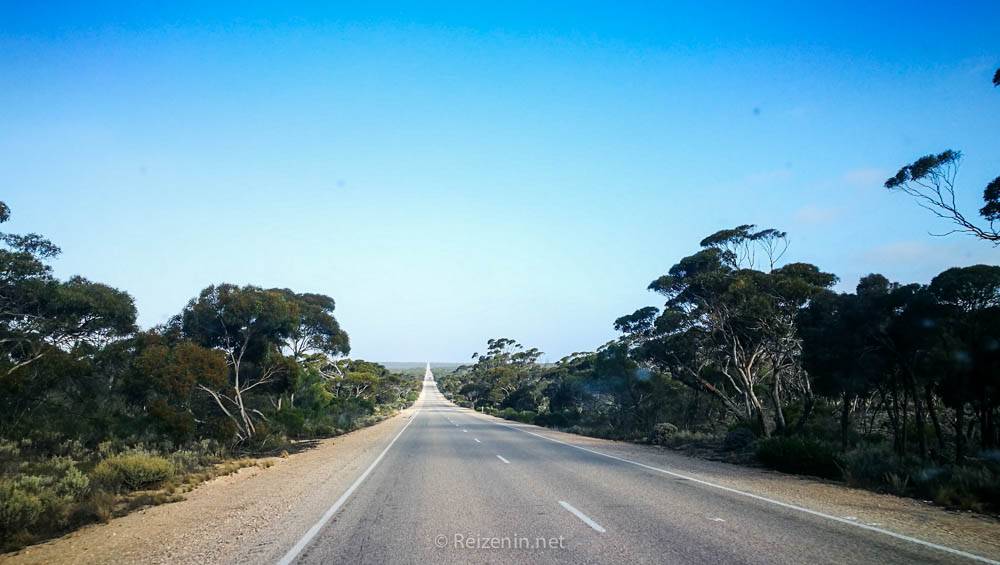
526, 416
972, 487
687, 438
552, 420
738, 438
132, 471
799, 455
98, 507
874, 467
662, 433
292, 421
40, 497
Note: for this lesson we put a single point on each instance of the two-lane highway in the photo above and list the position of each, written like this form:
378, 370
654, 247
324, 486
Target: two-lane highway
455, 486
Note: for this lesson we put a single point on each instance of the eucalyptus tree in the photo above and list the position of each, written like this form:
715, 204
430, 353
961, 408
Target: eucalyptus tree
504, 369
51, 334
249, 325
40, 315
727, 328
970, 361
317, 330
166, 380
930, 181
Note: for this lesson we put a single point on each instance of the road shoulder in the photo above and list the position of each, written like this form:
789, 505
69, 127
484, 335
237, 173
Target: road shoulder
252, 516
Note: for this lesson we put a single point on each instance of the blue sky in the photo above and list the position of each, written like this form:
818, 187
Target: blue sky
451, 173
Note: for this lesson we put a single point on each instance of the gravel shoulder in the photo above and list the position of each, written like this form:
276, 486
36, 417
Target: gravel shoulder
251, 516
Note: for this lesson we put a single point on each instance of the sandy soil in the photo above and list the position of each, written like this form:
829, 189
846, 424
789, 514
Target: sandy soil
252, 516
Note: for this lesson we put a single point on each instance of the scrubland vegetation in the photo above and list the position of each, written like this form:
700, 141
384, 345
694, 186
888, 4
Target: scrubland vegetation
894, 387
98, 417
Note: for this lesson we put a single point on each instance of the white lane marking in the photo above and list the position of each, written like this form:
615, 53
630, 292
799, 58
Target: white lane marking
308, 537
586, 519
717, 519
465, 431
786, 505
500, 457
477, 440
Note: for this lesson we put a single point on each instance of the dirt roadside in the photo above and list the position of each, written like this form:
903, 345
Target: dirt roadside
251, 516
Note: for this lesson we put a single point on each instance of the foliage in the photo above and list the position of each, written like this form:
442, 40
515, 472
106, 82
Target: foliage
662, 433
92, 409
738, 438
800, 455
930, 181
132, 471
886, 386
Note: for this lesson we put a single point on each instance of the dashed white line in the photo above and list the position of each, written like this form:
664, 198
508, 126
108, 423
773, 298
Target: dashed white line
477, 440
465, 431
500, 457
583, 517
786, 505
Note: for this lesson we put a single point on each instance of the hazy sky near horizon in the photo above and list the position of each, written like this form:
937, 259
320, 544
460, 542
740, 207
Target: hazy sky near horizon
451, 173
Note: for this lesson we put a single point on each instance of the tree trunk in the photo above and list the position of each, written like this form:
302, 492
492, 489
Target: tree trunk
845, 420
806, 412
932, 410
918, 412
903, 416
960, 433
987, 437
893, 410
779, 414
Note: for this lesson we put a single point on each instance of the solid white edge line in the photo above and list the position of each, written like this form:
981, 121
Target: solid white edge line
586, 519
311, 533
500, 457
875, 529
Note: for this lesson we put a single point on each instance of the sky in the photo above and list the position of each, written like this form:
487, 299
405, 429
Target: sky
455, 172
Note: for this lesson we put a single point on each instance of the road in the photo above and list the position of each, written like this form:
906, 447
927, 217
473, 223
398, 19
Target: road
454, 486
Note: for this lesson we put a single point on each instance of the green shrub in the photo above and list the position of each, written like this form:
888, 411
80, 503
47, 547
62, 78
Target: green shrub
662, 433
526, 416
971, 487
553, 420
738, 438
688, 438
874, 467
132, 471
292, 421
799, 455
196, 457
22, 502
39, 497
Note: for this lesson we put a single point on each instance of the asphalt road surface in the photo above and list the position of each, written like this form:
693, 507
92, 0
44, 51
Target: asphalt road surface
456, 487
